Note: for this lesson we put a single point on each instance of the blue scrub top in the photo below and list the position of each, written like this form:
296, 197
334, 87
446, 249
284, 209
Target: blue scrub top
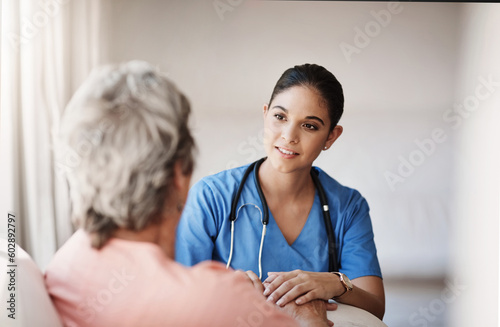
204, 231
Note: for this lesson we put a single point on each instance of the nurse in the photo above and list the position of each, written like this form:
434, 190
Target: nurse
300, 122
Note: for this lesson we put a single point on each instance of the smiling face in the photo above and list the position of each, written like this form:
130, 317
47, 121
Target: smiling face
297, 128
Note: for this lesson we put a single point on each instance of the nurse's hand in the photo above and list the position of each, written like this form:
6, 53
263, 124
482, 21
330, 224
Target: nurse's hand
255, 281
301, 286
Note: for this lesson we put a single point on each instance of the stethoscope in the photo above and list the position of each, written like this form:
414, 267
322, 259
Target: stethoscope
332, 257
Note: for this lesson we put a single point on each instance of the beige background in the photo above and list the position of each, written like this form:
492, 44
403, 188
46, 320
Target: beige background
396, 90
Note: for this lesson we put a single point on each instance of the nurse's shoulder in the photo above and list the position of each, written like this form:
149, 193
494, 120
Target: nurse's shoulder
339, 195
223, 183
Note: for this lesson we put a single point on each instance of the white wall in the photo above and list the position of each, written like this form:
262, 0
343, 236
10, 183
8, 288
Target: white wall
397, 87
475, 240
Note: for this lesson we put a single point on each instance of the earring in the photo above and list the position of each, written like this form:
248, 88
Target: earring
325, 148
180, 206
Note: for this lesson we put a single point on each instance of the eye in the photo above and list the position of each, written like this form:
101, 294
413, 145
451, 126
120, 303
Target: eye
279, 116
311, 127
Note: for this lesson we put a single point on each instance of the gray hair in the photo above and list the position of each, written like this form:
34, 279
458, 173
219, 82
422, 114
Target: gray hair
127, 127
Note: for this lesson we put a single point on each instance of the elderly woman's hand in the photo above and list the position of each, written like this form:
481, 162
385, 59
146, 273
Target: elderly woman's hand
301, 286
253, 278
311, 314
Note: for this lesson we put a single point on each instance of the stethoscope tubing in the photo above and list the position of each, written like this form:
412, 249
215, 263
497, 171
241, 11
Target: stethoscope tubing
332, 257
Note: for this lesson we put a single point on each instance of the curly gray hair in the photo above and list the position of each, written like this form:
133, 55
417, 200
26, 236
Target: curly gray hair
127, 127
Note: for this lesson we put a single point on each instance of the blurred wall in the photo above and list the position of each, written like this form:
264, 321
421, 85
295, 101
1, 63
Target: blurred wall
474, 281
397, 64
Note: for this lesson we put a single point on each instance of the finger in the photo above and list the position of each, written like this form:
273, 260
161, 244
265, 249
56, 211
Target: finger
311, 294
277, 288
330, 323
271, 276
251, 275
255, 280
246, 276
277, 279
331, 306
289, 291
242, 274
272, 283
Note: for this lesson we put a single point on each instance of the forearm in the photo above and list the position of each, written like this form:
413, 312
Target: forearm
303, 286
364, 300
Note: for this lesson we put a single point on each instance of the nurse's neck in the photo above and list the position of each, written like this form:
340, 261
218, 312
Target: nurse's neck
286, 185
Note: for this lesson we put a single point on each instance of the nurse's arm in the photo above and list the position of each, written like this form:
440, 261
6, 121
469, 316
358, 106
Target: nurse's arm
197, 227
367, 294
304, 286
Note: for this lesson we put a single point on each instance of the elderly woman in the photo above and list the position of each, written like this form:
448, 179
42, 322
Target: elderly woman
125, 131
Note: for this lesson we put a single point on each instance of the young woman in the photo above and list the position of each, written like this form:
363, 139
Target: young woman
291, 248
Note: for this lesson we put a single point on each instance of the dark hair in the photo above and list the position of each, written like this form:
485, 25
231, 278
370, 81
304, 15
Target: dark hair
317, 77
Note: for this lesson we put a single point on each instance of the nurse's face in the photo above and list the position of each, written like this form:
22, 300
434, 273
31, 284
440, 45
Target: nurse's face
297, 129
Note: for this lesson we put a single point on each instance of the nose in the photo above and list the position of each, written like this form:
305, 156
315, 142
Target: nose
290, 134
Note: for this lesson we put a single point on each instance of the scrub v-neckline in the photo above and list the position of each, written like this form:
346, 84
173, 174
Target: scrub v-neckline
271, 217
302, 231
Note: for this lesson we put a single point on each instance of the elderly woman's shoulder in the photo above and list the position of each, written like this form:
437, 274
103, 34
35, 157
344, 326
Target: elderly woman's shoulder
212, 275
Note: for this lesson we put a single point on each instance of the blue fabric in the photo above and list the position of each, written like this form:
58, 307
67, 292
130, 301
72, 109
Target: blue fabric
204, 231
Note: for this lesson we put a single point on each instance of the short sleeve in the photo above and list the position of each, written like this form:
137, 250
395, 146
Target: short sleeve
197, 229
358, 253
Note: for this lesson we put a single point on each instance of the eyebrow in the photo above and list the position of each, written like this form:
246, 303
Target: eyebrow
308, 117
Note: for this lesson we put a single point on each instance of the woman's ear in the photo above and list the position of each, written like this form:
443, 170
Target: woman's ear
265, 109
180, 180
333, 136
